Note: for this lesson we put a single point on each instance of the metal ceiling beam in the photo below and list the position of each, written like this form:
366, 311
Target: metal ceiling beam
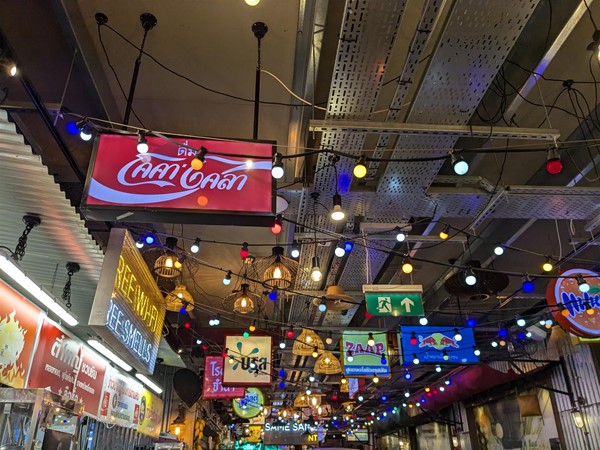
381, 237
364, 126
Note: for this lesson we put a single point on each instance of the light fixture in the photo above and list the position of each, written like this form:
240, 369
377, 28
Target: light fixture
349, 356
343, 380
498, 250
406, 394
348, 246
360, 398
457, 335
329, 339
459, 164
14, 271
277, 225
415, 359
195, 247
104, 351
282, 344
148, 382
360, 168
470, 277
413, 338
142, 143
12, 70
444, 234
179, 299
370, 340
290, 333
476, 351
139, 243
252, 2
277, 169
521, 322
423, 321
315, 273
583, 285
383, 359
149, 239
400, 236
547, 266
375, 379
438, 368
337, 213
553, 163
323, 305
407, 266
494, 344
589, 309
471, 322
340, 251
448, 382
227, 278
85, 132
274, 294
407, 375
527, 285
577, 417
295, 252
199, 159
252, 327
445, 356
243, 300
244, 252
315, 352
278, 271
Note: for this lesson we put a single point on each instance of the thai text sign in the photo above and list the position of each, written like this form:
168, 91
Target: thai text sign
67, 368
366, 359
286, 433
19, 321
150, 415
129, 309
569, 305
251, 360
250, 405
120, 400
394, 300
213, 380
163, 181
438, 345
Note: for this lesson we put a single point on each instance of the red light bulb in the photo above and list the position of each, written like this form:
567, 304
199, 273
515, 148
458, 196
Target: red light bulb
413, 339
244, 251
204, 347
224, 354
187, 325
554, 166
290, 334
277, 226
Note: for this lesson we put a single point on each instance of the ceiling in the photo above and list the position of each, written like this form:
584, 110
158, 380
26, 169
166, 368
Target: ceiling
435, 63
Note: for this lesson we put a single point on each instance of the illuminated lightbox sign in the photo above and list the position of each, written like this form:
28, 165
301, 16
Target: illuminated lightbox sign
286, 433
213, 380
129, 309
162, 184
251, 361
366, 359
438, 345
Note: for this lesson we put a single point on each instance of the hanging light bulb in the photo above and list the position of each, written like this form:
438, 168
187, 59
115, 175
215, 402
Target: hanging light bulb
227, 278
370, 340
195, 247
521, 322
413, 338
438, 368
85, 132
315, 273
244, 252
407, 375
553, 163
498, 250
343, 380
360, 168
423, 321
337, 213
198, 160
349, 356
290, 333
282, 344
459, 164
527, 285
400, 236
470, 277
406, 394
323, 305
375, 379
12, 70
471, 322
277, 226
407, 266
415, 359
383, 359
277, 170
564, 311
589, 309
329, 339
295, 252
444, 234
476, 351
583, 285
139, 243
315, 353
457, 335
340, 251
445, 356
548, 266
142, 143
252, 327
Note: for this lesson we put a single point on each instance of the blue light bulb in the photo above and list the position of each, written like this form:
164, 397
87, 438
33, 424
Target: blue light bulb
72, 128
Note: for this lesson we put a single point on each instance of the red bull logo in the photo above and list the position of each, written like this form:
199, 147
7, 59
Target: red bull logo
437, 341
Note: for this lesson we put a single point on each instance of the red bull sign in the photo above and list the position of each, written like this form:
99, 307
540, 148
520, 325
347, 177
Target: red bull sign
439, 345
569, 305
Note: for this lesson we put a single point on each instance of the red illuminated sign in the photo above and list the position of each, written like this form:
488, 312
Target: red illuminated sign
213, 381
123, 183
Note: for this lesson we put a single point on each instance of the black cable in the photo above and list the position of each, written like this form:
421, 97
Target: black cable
590, 14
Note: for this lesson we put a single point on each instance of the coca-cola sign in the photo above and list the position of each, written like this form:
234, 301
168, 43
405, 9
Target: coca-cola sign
124, 184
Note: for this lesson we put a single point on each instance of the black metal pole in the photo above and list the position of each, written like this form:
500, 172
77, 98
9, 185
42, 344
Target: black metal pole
148, 22
260, 30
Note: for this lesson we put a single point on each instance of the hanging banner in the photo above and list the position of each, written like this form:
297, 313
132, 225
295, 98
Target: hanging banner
252, 361
164, 183
250, 405
150, 416
120, 403
213, 380
428, 344
19, 322
569, 305
366, 359
64, 366
128, 310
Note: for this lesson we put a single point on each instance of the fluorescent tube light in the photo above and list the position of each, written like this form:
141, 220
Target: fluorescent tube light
148, 382
104, 351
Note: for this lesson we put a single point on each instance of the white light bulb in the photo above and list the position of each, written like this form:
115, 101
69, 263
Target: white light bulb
316, 274
339, 252
471, 279
244, 302
249, 164
295, 253
252, 2
143, 147
498, 250
401, 237
85, 135
423, 321
277, 172
461, 167
337, 213
282, 345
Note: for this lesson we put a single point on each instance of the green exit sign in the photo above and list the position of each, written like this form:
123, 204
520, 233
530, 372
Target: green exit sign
399, 302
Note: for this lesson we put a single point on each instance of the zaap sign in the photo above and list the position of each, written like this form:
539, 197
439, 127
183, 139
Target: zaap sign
128, 309
366, 360
163, 184
569, 305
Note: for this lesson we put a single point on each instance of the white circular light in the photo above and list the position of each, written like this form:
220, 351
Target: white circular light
195, 248
584, 287
322, 307
339, 252
252, 2
316, 274
282, 345
471, 279
249, 163
337, 214
143, 147
295, 253
521, 322
498, 250
277, 172
477, 352
461, 167
494, 344
423, 321
85, 135
401, 236
12, 71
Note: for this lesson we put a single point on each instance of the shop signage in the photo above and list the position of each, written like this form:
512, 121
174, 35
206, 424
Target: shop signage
19, 322
286, 433
366, 360
564, 294
120, 400
353, 387
252, 360
163, 184
394, 300
241, 445
150, 415
67, 368
250, 405
213, 380
128, 310
429, 344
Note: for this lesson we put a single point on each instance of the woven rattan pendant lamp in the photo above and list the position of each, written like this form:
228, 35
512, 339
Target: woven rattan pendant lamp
306, 343
179, 298
327, 364
277, 270
168, 265
242, 301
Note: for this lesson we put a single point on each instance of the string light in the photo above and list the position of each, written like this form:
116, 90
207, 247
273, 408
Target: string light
323, 305
348, 246
244, 252
445, 356
149, 239
470, 277
375, 379
494, 344
423, 321
370, 340
277, 170
498, 250
438, 368
290, 333
142, 143
460, 166
457, 336
415, 359
360, 168
553, 163
282, 344
547, 266
329, 339
383, 360
583, 285
340, 251
12, 70
476, 351
337, 213
521, 322
407, 267
444, 234
198, 159
589, 309
195, 247
315, 353
227, 278
349, 356
527, 285
139, 243
295, 252
407, 375
401, 236
471, 322
252, 327
564, 311
85, 132
315, 273
343, 380
413, 338
406, 394
277, 225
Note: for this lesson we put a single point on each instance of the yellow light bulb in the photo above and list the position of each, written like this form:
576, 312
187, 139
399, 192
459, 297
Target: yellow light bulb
444, 235
360, 171
277, 273
177, 431
565, 312
197, 164
178, 265
252, 328
407, 268
376, 379
547, 266
244, 302
169, 262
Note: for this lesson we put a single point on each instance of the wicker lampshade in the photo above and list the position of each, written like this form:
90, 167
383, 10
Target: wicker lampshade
348, 406
301, 401
277, 270
167, 265
314, 400
305, 344
242, 301
286, 413
323, 410
327, 363
178, 298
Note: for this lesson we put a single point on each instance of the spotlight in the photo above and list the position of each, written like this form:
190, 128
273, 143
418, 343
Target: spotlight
142, 143
195, 247
337, 213
548, 266
72, 128
583, 285
459, 164
400, 236
498, 250
457, 335
227, 278
370, 340
139, 243
415, 359
323, 305
277, 225
423, 321
244, 252
315, 273
438, 368
84, 131
198, 160
360, 168
407, 266
277, 169
470, 277
445, 233
348, 246
527, 285
553, 163
340, 251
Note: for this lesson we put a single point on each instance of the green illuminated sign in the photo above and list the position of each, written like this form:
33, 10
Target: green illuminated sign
394, 300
